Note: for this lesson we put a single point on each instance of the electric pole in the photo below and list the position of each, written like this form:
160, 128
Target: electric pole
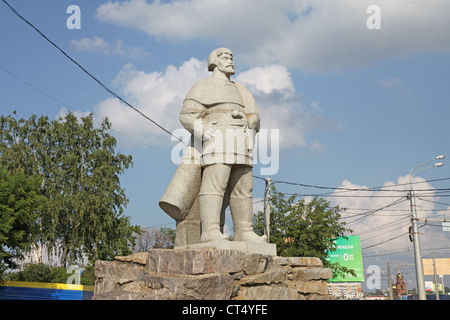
417, 252
391, 295
267, 208
415, 229
436, 283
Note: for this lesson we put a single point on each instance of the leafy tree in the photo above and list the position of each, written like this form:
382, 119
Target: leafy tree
40, 272
78, 170
303, 229
165, 238
19, 202
155, 238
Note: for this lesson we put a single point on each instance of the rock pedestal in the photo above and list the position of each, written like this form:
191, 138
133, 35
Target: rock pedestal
210, 274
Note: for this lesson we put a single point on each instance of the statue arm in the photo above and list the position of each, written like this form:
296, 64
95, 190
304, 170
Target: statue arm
191, 117
252, 112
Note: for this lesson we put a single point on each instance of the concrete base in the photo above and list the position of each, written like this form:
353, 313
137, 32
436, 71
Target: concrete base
268, 249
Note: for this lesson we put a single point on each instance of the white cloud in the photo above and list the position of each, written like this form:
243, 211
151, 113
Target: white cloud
268, 79
160, 95
383, 217
391, 83
310, 35
97, 44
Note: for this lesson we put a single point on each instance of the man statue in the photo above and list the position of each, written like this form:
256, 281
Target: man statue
223, 116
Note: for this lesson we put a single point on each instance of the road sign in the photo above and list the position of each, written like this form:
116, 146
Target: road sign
446, 226
348, 254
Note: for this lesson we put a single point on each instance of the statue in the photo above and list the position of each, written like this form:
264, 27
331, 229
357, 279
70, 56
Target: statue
216, 170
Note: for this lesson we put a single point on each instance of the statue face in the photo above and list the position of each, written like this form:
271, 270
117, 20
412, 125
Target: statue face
225, 63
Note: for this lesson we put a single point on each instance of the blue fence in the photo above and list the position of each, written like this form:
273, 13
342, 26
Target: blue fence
21, 290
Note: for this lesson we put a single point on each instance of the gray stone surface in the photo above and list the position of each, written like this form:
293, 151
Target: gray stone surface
209, 274
243, 246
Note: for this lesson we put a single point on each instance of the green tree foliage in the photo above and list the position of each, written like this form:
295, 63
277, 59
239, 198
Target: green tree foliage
19, 204
78, 170
166, 238
302, 228
162, 238
40, 272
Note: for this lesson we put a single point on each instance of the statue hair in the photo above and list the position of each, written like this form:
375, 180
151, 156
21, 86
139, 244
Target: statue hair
214, 55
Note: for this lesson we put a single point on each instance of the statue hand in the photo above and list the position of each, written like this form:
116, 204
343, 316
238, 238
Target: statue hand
210, 129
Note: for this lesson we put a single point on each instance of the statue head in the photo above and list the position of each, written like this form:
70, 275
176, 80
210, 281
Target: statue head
221, 58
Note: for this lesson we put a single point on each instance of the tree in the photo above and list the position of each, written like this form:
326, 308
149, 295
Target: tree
78, 170
19, 203
155, 238
301, 228
40, 272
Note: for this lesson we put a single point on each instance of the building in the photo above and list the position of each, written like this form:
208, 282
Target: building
345, 290
399, 289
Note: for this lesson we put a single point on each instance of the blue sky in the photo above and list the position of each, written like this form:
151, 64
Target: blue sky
355, 107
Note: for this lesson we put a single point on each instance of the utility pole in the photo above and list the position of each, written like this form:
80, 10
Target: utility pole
436, 283
417, 252
267, 208
391, 295
415, 229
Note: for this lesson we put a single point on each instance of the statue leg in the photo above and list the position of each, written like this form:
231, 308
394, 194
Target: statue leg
214, 182
241, 205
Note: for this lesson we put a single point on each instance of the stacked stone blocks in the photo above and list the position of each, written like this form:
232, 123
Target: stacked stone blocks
210, 274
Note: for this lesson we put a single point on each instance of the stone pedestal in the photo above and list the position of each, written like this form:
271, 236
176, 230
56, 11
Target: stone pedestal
210, 274
269, 249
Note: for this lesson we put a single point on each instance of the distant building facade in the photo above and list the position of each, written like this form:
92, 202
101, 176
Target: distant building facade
399, 289
345, 290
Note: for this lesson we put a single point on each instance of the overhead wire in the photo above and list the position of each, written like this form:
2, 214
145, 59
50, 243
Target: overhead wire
387, 240
75, 111
89, 74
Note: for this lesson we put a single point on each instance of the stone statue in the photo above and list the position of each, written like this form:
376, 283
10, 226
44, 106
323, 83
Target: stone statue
216, 170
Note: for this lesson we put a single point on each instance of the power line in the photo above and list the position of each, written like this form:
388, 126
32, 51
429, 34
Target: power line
74, 111
379, 188
386, 231
393, 238
437, 202
379, 228
371, 213
88, 73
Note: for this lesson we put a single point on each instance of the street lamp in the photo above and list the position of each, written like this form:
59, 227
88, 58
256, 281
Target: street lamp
415, 229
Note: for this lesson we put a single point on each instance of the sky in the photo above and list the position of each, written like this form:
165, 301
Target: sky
353, 93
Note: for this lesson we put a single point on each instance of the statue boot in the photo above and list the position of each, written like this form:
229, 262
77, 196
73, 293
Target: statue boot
242, 213
210, 212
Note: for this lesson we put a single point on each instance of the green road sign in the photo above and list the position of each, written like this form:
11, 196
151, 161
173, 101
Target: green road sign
348, 254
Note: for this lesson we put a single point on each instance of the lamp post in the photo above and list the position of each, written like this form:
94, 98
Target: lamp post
415, 229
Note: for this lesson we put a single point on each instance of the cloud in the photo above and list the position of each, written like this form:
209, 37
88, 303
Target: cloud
382, 217
269, 79
308, 35
97, 44
391, 83
160, 95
